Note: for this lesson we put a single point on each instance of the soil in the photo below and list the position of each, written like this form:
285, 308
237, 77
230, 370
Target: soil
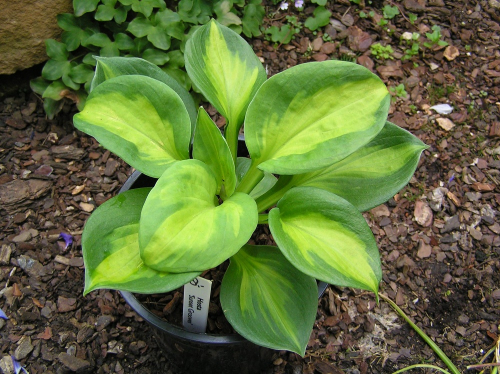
439, 237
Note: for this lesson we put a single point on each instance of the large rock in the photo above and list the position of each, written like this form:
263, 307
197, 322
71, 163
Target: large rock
24, 26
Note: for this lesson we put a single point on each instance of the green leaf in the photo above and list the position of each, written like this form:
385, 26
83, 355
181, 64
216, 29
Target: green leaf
326, 237
281, 35
171, 23
159, 38
183, 227
226, 70
144, 7
210, 147
53, 70
108, 68
267, 300
140, 26
269, 180
321, 17
82, 73
319, 2
110, 249
84, 6
194, 11
56, 51
89, 59
252, 19
98, 40
224, 15
76, 30
315, 114
55, 90
39, 85
155, 56
109, 10
123, 41
374, 173
52, 107
140, 119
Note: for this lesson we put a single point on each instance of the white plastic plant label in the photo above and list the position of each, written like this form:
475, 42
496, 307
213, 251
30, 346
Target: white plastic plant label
196, 300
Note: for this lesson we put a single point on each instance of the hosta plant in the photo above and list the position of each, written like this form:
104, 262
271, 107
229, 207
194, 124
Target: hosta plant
321, 152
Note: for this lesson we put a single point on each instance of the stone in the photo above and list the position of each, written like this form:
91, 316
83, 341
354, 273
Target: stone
86, 207
413, 6
423, 213
451, 52
476, 234
65, 304
327, 48
5, 252
24, 26
451, 224
445, 123
358, 40
23, 236
380, 211
366, 61
24, 348
317, 43
16, 194
495, 129
337, 25
6, 365
73, 363
424, 250
69, 152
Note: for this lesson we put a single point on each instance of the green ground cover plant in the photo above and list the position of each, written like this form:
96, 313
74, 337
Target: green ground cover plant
148, 29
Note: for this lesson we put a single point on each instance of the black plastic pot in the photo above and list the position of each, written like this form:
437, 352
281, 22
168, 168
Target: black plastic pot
201, 353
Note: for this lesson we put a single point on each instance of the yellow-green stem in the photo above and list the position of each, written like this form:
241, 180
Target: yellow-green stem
252, 177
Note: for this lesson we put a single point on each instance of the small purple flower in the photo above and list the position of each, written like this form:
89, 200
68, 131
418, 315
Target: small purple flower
452, 178
17, 366
68, 239
283, 5
3, 315
299, 3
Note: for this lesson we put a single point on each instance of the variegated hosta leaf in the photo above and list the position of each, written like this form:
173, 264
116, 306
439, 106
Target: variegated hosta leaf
140, 119
315, 114
225, 69
374, 173
110, 246
183, 228
210, 147
326, 237
110, 67
269, 180
267, 300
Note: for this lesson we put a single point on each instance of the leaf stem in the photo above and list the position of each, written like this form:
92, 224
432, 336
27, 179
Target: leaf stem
423, 335
231, 135
421, 366
272, 196
263, 218
252, 177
